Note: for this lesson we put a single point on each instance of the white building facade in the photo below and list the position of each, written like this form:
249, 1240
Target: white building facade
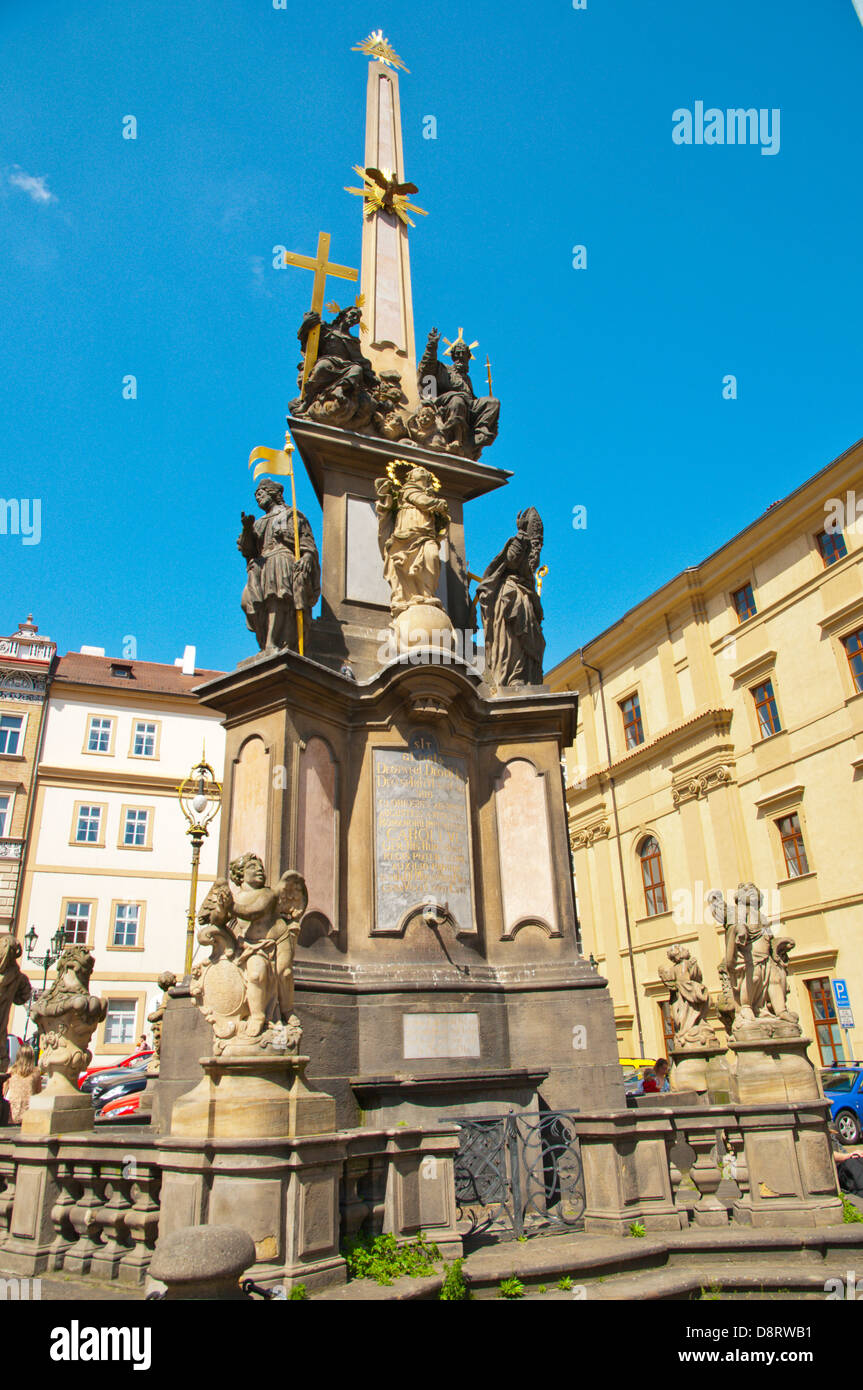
108, 857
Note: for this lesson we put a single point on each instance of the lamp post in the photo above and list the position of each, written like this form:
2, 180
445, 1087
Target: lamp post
200, 798
53, 953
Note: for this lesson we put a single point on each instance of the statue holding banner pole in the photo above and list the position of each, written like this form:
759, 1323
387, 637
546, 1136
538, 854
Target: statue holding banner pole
283, 571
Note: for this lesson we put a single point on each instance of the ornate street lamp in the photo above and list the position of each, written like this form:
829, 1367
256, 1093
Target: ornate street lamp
53, 953
200, 798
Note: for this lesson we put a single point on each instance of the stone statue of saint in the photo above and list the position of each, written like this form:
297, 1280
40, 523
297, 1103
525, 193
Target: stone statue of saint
467, 422
413, 519
246, 988
753, 972
691, 999
14, 989
342, 387
511, 609
278, 585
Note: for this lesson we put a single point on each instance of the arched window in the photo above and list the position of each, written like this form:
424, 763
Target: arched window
651, 873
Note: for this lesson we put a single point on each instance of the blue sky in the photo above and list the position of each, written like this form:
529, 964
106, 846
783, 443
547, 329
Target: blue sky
153, 257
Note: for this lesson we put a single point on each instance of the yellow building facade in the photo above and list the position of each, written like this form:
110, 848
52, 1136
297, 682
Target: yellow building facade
720, 741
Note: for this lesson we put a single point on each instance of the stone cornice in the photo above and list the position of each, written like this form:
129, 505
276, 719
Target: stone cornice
705, 721
107, 780
752, 670
784, 797
848, 615
586, 835
699, 784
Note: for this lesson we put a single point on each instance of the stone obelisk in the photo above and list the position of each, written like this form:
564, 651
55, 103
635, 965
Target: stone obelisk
388, 334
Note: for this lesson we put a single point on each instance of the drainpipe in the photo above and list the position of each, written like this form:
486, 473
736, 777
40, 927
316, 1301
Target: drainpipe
630, 951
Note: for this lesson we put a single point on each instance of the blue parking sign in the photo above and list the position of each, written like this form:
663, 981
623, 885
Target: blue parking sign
840, 993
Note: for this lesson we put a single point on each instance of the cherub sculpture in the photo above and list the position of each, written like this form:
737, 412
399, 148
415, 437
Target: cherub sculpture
246, 988
753, 973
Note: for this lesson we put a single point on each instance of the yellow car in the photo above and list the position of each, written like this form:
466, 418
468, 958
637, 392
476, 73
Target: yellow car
633, 1071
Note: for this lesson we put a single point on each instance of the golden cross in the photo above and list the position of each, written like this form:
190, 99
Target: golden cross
322, 268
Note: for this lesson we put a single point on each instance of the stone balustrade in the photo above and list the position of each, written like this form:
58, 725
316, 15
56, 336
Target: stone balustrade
90, 1204
667, 1167
87, 1204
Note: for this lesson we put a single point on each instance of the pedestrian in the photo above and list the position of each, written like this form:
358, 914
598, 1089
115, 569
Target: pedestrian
143, 1045
849, 1168
25, 1081
656, 1078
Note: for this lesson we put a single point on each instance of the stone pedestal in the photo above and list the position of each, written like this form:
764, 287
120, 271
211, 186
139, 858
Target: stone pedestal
186, 1037
704, 1070
60, 1113
284, 1193
792, 1175
424, 625
774, 1069
626, 1172
258, 1097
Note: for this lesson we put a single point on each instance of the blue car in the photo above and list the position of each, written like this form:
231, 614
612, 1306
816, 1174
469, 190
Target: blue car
843, 1087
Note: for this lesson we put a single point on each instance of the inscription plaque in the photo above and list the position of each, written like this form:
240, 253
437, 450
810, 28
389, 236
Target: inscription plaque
440, 1035
422, 833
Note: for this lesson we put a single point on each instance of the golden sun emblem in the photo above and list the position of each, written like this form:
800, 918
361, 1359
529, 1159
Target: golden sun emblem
376, 46
460, 339
383, 193
334, 308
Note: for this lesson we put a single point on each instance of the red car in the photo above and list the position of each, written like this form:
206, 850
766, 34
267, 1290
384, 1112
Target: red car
121, 1108
114, 1066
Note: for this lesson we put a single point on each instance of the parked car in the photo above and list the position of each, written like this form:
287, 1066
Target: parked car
97, 1078
124, 1107
131, 1084
843, 1087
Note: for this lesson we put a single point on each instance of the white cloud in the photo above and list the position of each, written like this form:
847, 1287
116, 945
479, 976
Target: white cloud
30, 184
858, 5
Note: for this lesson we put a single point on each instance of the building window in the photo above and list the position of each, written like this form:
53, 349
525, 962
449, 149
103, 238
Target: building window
854, 651
89, 823
832, 546
827, 1033
632, 726
667, 1028
5, 813
651, 873
76, 924
793, 847
126, 919
99, 735
765, 708
11, 734
120, 669
120, 1022
135, 828
144, 740
744, 603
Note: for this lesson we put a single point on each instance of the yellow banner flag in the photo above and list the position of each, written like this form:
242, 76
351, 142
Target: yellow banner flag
275, 461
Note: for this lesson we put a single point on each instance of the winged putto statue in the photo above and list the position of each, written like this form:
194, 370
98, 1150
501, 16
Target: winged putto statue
754, 970
246, 988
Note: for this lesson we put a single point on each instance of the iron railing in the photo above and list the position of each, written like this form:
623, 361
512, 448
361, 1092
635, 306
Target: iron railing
519, 1172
